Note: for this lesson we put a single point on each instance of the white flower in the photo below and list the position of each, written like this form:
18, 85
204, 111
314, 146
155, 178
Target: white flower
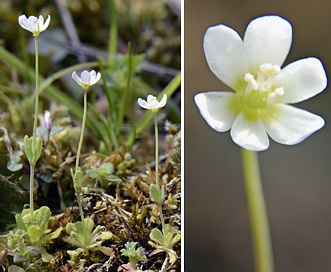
48, 120
87, 79
252, 68
34, 24
152, 103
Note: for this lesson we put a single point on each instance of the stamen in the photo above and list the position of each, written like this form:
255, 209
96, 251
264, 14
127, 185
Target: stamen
276, 93
269, 69
279, 91
260, 90
252, 84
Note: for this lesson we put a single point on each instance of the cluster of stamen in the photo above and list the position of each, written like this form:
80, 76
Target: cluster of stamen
260, 91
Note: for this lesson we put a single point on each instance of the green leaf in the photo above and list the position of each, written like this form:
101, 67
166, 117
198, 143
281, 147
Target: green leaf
89, 224
157, 236
55, 130
55, 233
43, 216
105, 250
15, 268
176, 239
77, 179
80, 229
28, 148
35, 233
14, 164
42, 132
69, 228
19, 222
107, 168
157, 193
106, 235
37, 149
167, 240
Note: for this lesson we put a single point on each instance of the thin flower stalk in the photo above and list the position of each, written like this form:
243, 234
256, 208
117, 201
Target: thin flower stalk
257, 213
152, 104
158, 182
35, 26
35, 121
86, 80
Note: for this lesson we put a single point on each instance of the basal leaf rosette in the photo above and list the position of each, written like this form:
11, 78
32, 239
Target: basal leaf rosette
251, 67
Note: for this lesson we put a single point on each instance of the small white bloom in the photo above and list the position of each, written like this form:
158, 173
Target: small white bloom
48, 120
34, 24
152, 103
252, 68
87, 79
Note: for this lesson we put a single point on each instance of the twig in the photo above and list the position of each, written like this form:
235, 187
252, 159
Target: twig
70, 28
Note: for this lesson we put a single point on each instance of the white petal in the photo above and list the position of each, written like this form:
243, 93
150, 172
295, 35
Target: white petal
142, 103
214, 108
33, 24
163, 101
225, 54
93, 75
301, 80
154, 104
96, 78
46, 24
85, 77
248, 134
289, 125
23, 22
267, 40
76, 77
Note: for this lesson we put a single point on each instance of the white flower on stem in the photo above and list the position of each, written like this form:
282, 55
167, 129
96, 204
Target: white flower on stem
87, 78
151, 103
48, 120
34, 24
262, 89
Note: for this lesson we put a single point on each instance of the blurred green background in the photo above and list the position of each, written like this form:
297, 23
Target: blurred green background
296, 179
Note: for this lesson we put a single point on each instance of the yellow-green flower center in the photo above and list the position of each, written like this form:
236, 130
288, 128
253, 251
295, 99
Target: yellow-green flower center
259, 93
150, 99
261, 90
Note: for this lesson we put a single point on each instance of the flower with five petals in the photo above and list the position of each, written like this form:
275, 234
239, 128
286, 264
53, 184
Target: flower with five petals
86, 79
258, 107
152, 103
34, 24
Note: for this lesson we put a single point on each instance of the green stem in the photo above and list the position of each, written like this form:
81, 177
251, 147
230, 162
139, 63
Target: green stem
31, 187
112, 49
78, 194
156, 151
257, 211
157, 181
82, 131
80, 207
35, 122
37, 91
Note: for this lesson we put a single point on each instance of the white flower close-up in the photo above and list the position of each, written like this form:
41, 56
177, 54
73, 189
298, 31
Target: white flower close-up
34, 24
152, 103
252, 68
87, 78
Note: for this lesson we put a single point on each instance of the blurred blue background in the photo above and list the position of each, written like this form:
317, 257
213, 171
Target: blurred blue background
296, 179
